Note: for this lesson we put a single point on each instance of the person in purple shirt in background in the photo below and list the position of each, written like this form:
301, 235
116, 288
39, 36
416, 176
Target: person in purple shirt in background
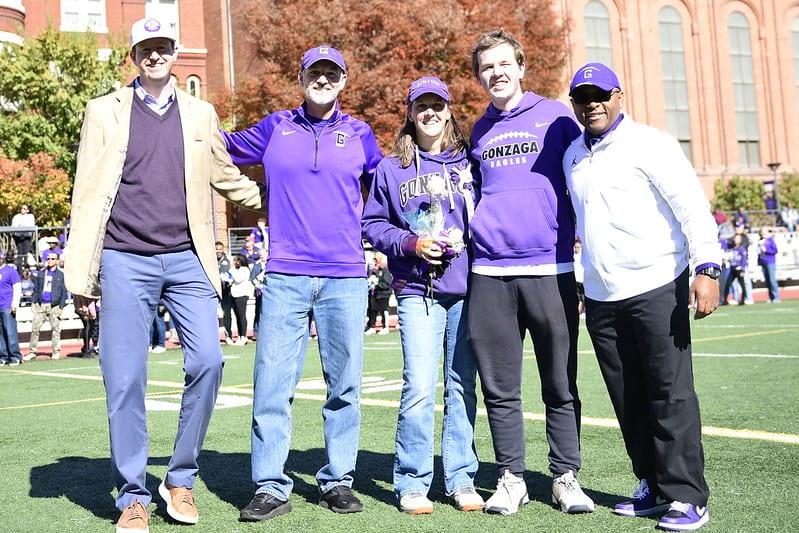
767, 259
739, 261
260, 235
10, 293
49, 299
523, 272
316, 160
430, 149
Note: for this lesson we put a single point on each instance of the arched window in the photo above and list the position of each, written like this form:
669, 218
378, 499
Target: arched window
795, 39
597, 33
193, 86
743, 86
675, 88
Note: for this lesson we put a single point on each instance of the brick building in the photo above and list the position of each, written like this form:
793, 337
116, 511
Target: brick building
720, 75
111, 20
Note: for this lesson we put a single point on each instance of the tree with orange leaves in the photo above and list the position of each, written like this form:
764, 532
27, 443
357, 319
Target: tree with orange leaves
387, 44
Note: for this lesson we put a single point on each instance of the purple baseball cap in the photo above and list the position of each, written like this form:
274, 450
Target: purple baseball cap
323, 53
596, 74
428, 85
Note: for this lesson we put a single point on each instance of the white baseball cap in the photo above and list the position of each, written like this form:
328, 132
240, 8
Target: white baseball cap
149, 28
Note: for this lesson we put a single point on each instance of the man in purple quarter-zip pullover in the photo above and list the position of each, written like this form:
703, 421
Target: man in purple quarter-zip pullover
644, 219
523, 272
316, 160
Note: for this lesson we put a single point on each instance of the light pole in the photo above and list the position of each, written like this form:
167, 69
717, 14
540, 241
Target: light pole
774, 166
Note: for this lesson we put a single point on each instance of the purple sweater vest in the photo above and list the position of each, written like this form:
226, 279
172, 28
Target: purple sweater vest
149, 214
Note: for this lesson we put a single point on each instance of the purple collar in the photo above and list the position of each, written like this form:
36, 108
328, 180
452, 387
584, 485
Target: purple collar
593, 140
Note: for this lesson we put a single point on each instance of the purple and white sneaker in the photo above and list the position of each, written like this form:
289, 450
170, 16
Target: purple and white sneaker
643, 503
684, 517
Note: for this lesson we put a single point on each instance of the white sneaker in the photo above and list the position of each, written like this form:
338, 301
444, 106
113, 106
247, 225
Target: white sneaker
467, 499
55, 355
370, 331
567, 494
158, 349
229, 341
511, 493
30, 356
415, 503
383, 331
241, 341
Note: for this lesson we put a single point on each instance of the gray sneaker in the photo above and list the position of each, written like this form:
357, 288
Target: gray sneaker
467, 499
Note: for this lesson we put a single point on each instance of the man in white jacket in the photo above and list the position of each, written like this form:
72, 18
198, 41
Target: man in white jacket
643, 217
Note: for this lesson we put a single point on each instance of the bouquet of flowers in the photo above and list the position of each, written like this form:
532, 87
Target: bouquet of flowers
429, 224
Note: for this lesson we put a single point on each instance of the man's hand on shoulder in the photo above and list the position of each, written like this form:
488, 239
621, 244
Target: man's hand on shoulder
704, 296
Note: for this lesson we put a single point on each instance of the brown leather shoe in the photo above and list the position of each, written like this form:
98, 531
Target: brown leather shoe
134, 519
179, 503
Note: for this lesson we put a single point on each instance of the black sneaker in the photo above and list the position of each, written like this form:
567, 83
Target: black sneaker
340, 499
263, 507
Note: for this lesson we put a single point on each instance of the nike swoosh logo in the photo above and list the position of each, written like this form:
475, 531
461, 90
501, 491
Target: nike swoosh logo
288, 132
541, 124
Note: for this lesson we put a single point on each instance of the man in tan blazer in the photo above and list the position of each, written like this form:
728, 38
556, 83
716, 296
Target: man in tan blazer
142, 232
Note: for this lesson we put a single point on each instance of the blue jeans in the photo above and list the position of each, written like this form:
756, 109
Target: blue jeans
425, 327
131, 286
770, 275
9, 339
338, 306
158, 334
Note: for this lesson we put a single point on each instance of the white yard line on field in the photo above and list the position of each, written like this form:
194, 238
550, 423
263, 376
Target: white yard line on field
768, 436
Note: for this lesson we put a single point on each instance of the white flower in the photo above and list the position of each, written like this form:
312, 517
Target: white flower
436, 185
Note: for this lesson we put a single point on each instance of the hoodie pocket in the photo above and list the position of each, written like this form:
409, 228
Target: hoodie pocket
514, 224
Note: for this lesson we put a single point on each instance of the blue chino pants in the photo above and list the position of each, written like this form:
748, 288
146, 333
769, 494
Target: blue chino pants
131, 287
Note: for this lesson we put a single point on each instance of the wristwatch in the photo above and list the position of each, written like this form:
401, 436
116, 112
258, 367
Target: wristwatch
711, 272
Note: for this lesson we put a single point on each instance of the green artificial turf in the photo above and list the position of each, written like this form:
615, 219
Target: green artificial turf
55, 471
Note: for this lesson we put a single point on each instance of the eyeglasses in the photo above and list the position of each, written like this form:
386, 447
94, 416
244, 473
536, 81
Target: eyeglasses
586, 97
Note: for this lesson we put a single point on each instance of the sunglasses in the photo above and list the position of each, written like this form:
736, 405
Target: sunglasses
586, 97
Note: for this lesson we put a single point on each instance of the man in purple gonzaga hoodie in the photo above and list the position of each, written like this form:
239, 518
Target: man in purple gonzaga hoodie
316, 160
523, 272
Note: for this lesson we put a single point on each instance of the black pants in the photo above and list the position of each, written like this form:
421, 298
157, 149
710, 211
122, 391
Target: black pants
240, 310
733, 274
90, 332
377, 307
257, 318
501, 310
643, 345
24, 244
227, 304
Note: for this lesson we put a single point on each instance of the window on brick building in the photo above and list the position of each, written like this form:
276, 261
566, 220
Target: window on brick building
166, 11
743, 86
597, 33
795, 40
83, 15
193, 86
675, 87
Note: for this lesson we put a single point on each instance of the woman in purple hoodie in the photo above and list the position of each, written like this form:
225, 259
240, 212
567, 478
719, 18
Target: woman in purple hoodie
428, 178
